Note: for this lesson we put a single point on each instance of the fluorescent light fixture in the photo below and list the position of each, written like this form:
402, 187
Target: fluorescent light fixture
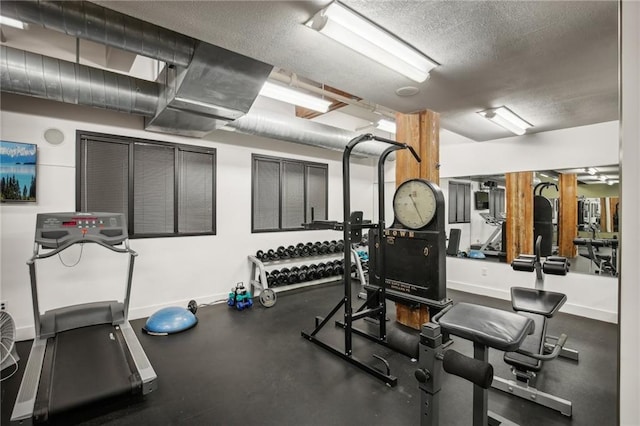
10, 22
386, 125
295, 97
506, 118
347, 27
602, 178
612, 181
591, 171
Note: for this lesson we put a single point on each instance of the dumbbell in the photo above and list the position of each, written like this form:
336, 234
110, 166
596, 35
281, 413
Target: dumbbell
272, 255
282, 252
294, 273
313, 272
315, 249
272, 278
262, 256
283, 277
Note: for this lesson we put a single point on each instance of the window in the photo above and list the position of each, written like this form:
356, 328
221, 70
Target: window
459, 202
163, 189
287, 193
496, 202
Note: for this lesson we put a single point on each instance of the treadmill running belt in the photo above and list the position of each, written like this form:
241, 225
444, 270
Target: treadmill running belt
86, 365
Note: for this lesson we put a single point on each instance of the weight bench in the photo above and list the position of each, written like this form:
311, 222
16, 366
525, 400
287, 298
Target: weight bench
486, 328
537, 305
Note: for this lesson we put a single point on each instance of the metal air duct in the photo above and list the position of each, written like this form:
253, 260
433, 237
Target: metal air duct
302, 131
44, 77
101, 25
218, 86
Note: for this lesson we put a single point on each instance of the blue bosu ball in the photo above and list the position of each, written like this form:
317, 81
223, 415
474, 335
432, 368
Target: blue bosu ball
476, 254
170, 320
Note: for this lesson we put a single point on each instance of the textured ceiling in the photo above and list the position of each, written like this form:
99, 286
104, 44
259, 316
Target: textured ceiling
552, 62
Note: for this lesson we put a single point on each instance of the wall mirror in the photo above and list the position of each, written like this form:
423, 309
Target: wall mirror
476, 207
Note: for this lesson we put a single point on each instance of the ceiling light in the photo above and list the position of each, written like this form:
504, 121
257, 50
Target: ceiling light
504, 117
386, 125
602, 178
591, 171
12, 22
347, 27
612, 181
292, 96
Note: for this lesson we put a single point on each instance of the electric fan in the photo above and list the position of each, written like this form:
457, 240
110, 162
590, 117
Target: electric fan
8, 355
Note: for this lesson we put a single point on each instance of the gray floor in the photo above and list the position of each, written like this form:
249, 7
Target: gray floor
254, 368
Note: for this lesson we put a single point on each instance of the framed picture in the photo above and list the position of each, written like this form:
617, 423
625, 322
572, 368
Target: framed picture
18, 171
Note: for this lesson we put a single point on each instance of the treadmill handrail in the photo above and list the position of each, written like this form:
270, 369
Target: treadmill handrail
74, 241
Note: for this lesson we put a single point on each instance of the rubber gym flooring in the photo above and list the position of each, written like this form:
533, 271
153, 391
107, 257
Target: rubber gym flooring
254, 368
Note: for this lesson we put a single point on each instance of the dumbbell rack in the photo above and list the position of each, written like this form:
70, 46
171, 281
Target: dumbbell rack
258, 278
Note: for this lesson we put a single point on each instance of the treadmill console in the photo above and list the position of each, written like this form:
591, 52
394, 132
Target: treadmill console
55, 229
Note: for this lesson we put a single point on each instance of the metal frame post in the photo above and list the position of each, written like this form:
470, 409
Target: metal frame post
480, 395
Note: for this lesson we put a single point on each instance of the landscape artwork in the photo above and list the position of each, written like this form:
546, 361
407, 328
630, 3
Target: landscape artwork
17, 171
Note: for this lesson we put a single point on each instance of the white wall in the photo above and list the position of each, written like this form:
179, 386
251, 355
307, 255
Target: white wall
591, 296
168, 271
630, 226
593, 145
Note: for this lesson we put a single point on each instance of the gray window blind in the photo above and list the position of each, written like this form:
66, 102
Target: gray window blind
104, 182
292, 195
316, 193
266, 194
153, 190
459, 202
284, 192
195, 206
496, 202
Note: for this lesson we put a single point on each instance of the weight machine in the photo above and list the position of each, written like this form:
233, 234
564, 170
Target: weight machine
352, 227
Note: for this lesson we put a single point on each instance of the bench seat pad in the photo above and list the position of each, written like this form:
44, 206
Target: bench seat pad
495, 328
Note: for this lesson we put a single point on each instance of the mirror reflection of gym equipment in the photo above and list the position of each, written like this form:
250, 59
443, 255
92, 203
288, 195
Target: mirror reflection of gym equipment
597, 215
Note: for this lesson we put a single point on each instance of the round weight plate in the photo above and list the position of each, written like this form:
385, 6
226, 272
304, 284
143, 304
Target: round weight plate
268, 297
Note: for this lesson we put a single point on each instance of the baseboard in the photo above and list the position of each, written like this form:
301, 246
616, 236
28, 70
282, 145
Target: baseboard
27, 332
568, 308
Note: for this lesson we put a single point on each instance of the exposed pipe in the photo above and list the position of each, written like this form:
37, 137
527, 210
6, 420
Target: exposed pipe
101, 25
294, 82
31, 74
302, 131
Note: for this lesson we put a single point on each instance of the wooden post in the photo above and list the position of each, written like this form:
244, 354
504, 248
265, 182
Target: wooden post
519, 214
568, 214
422, 132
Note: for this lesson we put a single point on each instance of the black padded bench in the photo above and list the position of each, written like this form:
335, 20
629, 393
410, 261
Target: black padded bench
487, 328
538, 305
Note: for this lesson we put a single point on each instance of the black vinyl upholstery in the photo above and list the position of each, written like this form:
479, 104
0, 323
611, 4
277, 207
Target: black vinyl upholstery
533, 343
540, 302
491, 327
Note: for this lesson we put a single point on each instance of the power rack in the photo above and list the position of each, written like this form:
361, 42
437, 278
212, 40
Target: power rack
351, 228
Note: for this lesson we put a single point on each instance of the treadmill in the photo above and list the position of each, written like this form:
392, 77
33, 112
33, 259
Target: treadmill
83, 355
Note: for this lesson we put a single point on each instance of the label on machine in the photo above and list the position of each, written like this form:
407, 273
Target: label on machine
413, 264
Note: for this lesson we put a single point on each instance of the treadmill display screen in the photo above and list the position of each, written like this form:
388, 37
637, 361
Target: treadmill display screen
108, 228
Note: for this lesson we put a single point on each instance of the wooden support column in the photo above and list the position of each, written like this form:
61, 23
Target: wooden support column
519, 214
421, 131
568, 214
